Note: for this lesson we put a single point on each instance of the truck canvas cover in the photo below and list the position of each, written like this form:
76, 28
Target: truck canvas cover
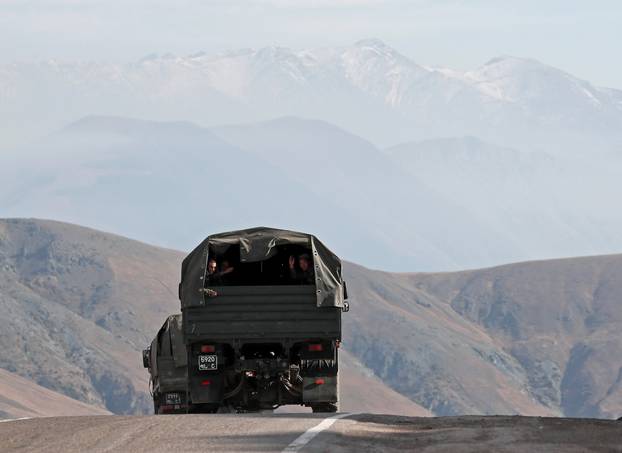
259, 244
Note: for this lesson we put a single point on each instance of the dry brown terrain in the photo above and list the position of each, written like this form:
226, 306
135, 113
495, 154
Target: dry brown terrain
80, 305
361, 391
20, 397
537, 338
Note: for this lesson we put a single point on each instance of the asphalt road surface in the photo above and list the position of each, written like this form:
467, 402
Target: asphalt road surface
309, 432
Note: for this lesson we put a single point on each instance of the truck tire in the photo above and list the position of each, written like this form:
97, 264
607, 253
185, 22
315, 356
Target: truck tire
324, 407
156, 404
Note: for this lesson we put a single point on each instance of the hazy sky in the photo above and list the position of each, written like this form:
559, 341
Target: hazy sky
579, 36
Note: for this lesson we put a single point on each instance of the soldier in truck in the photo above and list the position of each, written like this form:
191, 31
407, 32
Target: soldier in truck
213, 276
226, 274
303, 274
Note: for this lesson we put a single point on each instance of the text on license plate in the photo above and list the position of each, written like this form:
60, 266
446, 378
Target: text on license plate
172, 398
208, 362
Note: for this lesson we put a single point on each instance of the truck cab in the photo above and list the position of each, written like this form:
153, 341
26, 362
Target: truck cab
166, 360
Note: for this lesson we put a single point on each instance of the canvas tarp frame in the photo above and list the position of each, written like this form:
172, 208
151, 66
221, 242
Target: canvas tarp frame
258, 244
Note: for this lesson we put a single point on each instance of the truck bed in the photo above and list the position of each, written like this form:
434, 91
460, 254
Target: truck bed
261, 313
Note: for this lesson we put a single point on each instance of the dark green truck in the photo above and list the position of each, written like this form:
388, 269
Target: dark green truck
262, 321
166, 360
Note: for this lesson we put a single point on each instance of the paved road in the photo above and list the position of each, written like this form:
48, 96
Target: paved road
308, 432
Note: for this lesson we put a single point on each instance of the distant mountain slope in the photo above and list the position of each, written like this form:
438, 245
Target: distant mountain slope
368, 88
444, 204
360, 391
425, 350
79, 305
162, 182
20, 397
167, 183
543, 205
533, 336
448, 203
560, 319
415, 227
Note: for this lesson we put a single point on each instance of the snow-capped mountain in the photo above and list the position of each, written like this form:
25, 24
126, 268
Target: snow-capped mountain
367, 88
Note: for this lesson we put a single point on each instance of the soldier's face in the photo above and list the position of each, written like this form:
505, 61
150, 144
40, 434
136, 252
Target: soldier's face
211, 267
304, 264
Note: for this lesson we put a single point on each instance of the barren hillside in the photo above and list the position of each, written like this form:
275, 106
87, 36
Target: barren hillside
79, 306
530, 338
538, 338
20, 397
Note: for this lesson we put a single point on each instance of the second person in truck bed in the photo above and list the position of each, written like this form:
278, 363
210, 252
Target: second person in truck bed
303, 274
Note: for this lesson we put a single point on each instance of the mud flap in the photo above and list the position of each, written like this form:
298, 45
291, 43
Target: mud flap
206, 388
319, 389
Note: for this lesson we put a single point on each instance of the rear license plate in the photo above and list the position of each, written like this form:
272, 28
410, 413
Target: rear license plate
208, 362
172, 398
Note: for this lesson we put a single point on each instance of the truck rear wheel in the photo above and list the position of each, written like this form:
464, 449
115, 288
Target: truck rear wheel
324, 407
156, 403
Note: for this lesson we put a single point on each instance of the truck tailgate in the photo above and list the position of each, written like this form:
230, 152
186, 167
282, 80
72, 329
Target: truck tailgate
262, 312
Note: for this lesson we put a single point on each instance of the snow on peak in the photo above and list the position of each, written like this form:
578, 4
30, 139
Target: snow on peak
515, 68
320, 81
380, 70
527, 81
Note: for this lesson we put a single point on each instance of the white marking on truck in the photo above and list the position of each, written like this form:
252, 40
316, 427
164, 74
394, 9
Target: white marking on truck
308, 435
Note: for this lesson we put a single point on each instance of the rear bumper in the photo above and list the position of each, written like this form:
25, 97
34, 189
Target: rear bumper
173, 409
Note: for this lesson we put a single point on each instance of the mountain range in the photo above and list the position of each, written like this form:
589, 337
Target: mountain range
430, 168
530, 338
443, 204
368, 88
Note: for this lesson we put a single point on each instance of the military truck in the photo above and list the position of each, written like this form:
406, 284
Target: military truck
262, 321
166, 360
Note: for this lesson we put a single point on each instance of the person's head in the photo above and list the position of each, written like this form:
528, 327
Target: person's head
225, 265
211, 266
304, 262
